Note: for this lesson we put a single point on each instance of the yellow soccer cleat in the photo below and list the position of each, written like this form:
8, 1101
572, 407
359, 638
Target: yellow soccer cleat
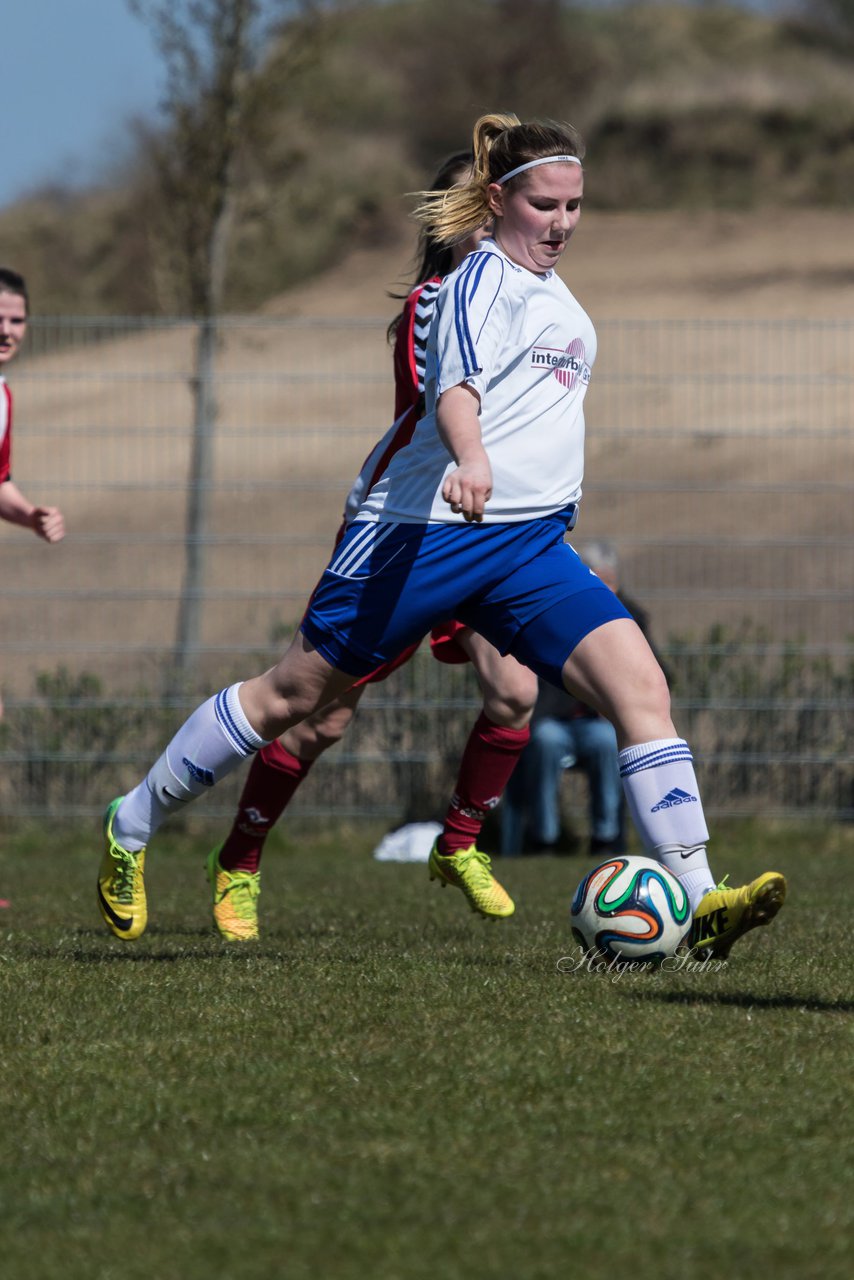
121, 886
724, 915
235, 900
471, 871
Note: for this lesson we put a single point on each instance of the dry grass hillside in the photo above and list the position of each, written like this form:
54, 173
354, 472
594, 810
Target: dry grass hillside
768, 415
696, 437
769, 263
682, 106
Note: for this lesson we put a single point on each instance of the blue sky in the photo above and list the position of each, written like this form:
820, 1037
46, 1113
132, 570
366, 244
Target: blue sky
73, 73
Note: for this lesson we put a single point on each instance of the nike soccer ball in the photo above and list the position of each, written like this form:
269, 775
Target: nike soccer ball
630, 909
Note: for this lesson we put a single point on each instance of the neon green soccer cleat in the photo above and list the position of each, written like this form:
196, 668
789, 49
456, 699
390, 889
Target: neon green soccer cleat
471, 871
724, 915
121, 886
235, 899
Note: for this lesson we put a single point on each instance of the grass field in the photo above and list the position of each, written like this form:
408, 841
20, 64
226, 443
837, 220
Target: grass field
390, 1087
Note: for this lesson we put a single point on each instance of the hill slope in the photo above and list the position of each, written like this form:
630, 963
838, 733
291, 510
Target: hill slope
699, 109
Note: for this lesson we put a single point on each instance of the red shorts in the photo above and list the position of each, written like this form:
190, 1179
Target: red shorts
443, 645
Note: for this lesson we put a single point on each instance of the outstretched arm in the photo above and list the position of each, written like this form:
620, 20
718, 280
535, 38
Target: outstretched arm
46, 522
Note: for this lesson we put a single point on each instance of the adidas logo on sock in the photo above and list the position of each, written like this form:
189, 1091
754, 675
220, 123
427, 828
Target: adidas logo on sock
204, 776
674, 797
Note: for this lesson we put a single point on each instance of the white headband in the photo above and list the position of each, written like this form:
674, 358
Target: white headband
533, 163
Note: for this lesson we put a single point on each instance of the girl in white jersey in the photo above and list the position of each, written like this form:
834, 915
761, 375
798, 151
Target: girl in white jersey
469, 521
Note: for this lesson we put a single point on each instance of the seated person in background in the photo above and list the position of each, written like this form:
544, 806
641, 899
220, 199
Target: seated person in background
566, 734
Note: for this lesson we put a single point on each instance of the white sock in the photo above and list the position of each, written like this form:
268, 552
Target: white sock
209, 745
664, 801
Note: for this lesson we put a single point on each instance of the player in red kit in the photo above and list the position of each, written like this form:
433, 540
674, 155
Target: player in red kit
509, 689
45, 522
15, 508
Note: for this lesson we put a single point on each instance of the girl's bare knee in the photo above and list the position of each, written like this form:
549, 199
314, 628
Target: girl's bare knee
511, 704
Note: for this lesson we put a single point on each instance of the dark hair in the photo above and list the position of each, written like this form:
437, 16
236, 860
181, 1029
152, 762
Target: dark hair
433, 258
11, 282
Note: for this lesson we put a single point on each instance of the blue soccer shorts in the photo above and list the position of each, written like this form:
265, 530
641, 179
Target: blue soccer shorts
520, 585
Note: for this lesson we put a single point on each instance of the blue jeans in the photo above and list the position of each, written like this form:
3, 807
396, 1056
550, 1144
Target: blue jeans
531, 804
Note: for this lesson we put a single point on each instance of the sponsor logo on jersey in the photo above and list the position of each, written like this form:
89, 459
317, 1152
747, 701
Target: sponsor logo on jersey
569, 366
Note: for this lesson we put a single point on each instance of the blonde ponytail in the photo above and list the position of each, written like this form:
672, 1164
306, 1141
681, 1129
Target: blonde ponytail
501, 143
452, 215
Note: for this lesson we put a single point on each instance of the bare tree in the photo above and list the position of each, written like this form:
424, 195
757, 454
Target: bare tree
211, 52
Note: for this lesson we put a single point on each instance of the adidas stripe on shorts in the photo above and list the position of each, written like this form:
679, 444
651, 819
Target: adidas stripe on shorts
519, 584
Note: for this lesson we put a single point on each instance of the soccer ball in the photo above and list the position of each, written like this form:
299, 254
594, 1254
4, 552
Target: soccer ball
630, 909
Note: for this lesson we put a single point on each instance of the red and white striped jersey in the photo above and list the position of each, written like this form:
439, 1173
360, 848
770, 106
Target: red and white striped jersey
410, 346
410, 356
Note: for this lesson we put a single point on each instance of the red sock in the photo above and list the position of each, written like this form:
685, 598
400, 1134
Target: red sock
488, 761
272, 781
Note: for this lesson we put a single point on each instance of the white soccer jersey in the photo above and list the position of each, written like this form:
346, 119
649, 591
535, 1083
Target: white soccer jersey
524, 344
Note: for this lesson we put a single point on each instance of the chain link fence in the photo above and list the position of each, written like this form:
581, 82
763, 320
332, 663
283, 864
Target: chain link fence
719, 463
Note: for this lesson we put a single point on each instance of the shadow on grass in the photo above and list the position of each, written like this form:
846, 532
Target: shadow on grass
306, 943
743, 1000
128, 956
94, 946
